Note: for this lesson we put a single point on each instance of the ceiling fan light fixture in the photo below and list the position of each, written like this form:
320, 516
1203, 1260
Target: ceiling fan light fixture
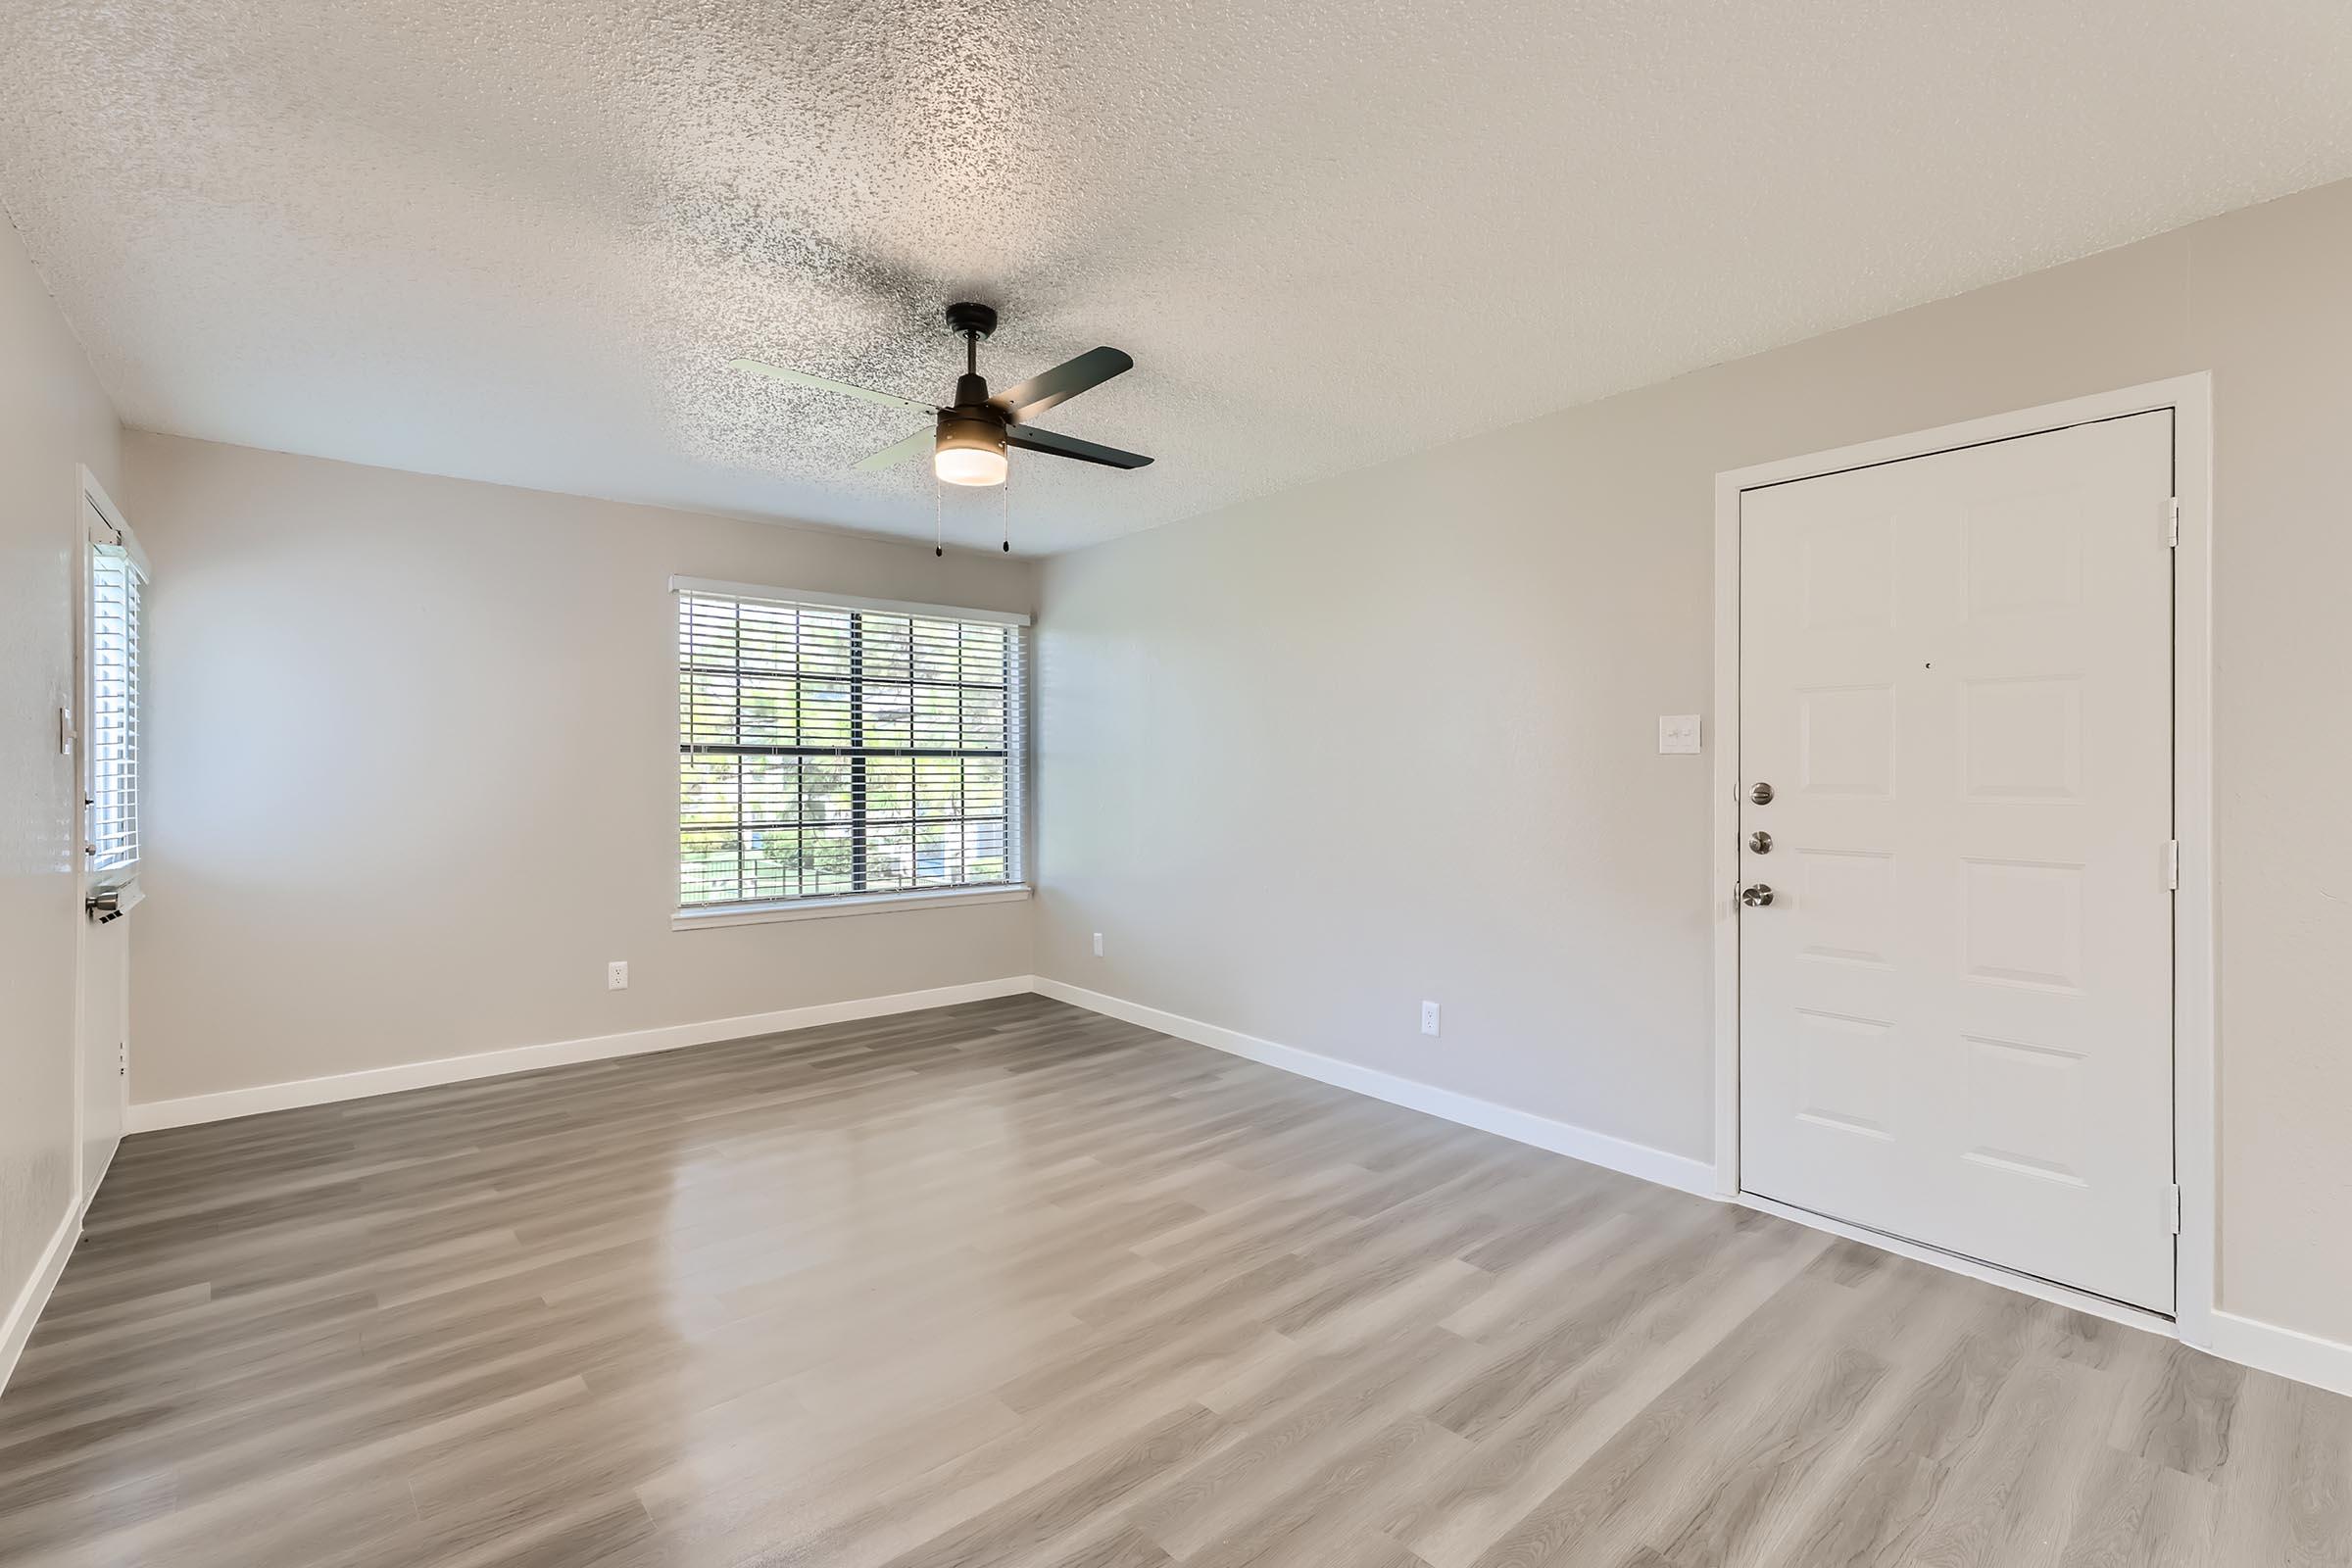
969, 451
969, 465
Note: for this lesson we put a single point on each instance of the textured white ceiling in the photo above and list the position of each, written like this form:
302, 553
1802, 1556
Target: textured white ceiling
517, 241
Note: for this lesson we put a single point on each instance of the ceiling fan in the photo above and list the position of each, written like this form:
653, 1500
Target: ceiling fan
967, 438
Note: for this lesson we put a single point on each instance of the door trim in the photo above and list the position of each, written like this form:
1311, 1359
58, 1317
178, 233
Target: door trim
2194, 1028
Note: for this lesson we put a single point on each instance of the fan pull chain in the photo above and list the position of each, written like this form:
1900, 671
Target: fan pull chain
1007, 499
939, 529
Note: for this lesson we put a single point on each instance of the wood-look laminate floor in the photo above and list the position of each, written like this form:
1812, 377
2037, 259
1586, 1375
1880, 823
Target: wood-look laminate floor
1013, 1284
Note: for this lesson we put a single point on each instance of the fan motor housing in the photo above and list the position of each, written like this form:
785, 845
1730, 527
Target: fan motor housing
977, 426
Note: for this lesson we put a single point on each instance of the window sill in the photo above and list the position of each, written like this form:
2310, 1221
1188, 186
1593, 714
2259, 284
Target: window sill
825, 908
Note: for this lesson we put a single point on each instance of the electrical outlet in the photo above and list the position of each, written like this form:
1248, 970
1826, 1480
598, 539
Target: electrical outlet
1098, 943
616, 975
1429, 1017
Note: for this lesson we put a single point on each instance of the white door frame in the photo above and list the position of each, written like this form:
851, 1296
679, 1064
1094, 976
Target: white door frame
2190, 398
90, 496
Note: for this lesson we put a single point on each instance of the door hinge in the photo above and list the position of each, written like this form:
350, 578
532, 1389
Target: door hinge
2172, 864
2171, 522
2172, 1206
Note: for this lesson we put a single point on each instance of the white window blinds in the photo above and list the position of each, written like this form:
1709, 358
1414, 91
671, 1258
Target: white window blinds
842, 749
114, 725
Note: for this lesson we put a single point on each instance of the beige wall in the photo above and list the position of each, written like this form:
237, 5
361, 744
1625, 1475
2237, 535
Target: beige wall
412, 777
53, 418
1311, 759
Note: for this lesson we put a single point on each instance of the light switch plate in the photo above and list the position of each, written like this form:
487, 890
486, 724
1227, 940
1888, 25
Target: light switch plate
1677, 734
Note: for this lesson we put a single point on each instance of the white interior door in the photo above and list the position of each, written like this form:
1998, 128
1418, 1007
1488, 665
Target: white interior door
114, 577
1955, 1012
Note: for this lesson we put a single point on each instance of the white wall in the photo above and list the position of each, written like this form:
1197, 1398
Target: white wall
53, 418
413, 773
1311, 759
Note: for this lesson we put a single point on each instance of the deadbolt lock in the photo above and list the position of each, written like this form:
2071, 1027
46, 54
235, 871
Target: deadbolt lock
1760, 842
1761, 795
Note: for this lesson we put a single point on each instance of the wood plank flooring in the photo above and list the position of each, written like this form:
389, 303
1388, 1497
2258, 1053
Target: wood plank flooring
1011, 1283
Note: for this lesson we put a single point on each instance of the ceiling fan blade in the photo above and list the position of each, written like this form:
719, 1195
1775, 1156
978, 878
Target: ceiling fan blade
804, 378
891, 457
1062, 383
1069, 445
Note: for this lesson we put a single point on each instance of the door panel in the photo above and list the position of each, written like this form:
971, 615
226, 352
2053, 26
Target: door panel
105, 1029
1956, 1012
108, 664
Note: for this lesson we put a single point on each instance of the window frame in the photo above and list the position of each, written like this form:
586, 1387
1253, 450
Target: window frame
104, 528
807, 906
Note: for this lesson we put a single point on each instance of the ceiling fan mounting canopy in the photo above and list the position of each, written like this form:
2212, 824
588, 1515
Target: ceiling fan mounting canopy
972, 320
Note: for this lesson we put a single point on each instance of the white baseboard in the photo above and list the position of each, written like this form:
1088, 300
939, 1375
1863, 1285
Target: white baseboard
1521, 1126
156, 1115
26, 1310
2290, 1353
2304, 1357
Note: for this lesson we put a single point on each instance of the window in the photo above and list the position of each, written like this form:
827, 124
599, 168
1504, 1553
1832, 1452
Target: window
843, 749
112, 826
